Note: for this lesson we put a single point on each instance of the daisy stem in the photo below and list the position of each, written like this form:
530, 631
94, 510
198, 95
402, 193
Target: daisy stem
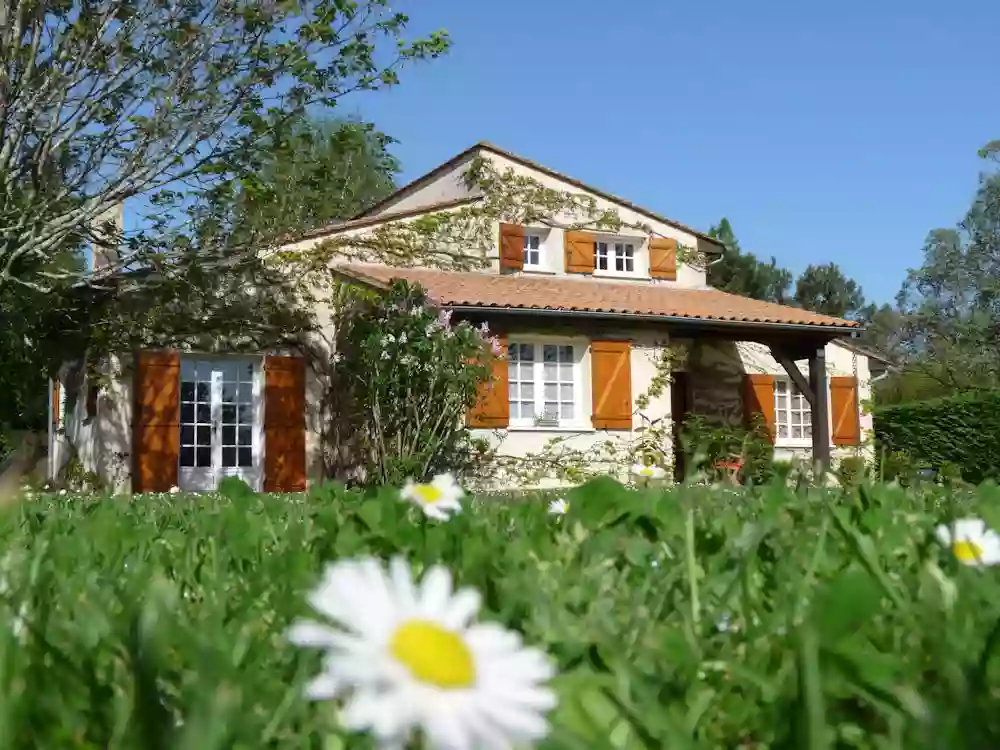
692, 565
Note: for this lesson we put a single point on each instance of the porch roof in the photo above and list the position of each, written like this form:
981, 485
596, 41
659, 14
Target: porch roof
597, 297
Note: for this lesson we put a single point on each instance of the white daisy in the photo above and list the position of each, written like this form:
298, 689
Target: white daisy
558, 507
174, 490
439, 499
410, 656
971, 541
648, 472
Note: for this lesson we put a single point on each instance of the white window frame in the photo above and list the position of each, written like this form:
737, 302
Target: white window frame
795, 403
539, 250
538, 381
630, 251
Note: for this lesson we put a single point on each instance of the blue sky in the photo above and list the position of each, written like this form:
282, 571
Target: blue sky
840, 133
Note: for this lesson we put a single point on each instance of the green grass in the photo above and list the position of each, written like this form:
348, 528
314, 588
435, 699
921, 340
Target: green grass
158, 622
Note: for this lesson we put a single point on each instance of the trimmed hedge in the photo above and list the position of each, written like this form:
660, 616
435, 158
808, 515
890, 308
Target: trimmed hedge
963, 430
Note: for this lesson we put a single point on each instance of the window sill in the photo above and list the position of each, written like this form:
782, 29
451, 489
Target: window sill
538, 271
563, 428
619, 276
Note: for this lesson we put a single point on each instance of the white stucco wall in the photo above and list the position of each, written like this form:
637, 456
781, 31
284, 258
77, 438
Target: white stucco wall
449, 186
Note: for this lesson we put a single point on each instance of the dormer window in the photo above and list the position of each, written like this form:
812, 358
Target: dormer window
532, 249
615, 257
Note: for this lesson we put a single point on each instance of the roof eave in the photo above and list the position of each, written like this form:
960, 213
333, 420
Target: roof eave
829, 330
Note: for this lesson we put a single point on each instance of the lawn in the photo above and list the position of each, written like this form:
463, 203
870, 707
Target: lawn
678, 618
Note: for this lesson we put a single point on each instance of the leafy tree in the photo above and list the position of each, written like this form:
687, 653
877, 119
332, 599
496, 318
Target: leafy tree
825, 289
951, 303
742, 273
106, 101
323, 171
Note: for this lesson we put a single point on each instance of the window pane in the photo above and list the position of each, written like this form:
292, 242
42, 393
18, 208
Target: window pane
782, 401
629, 265
782, 431
550, 353
245, 457
204, 391
187, 456
229, 457
566, 373
566, 411
228, 435
187, 391
796, 417
204, 435
602, 263
203, 456
807, 430
566, 392
528, 392
246, 413
187, 413
550, 371
527, 353
780, 386
565, 353
204, 413
229, 392
245, 436
796, 432
187, 435
228, 413
551, 392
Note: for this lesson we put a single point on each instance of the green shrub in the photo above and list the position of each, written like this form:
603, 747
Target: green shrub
706, 441
688, 618
963, 430
405, 376
851, 470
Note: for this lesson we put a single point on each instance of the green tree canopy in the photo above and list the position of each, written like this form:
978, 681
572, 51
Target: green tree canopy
825, 289
743, 273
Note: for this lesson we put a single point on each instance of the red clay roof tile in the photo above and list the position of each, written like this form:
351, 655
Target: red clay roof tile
588, 294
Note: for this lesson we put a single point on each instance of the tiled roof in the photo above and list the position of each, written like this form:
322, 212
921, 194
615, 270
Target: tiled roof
586, 294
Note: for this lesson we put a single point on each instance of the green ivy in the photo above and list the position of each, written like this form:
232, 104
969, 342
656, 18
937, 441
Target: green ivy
959, 432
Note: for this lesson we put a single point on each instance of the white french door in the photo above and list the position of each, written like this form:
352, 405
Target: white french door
220, 422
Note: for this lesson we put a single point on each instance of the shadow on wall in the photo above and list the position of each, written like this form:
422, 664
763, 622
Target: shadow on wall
716, 373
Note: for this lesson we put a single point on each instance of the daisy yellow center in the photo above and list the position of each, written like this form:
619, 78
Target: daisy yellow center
433, 655
967, 552
428, 493
646, 472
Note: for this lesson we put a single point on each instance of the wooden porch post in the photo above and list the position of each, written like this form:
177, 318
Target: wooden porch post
820, 409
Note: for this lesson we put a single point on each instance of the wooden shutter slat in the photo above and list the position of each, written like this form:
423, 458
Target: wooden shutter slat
611, 384
758, 399
156, 429
663, 258
284, 424
511, 247
579, 248
492, 409
844, 408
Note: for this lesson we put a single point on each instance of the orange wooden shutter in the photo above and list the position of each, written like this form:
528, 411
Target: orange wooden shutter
511, 247
284, 424
663, 258
156, 429
844, 408
492, 408
579, 252
611, 384
758, 398
56, 411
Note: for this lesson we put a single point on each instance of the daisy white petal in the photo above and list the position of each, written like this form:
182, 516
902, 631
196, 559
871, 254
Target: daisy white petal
971, 541
425, 664
558, 507
438, 499
323, 687
648, 472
